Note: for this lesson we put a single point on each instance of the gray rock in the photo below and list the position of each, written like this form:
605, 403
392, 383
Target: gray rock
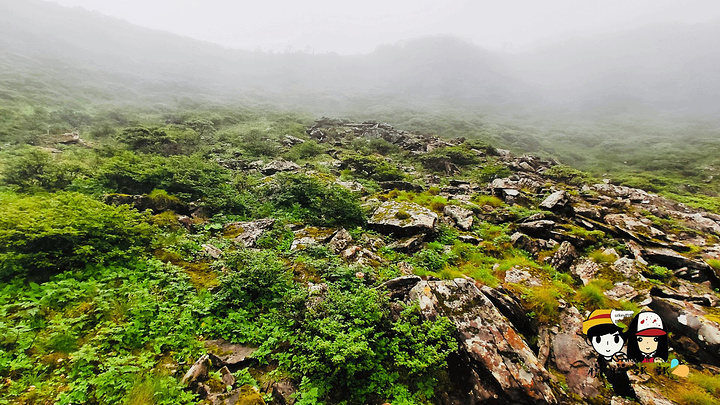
462, 217
537, 228
650, 396
628, 268
198, 372
524, 242
410, 244
279, 166
555, 200
487, 338
224, 353
247, 233
311, 235
211, 250
399, 287
403, 218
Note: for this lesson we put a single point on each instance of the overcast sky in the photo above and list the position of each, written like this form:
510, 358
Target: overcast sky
360, 26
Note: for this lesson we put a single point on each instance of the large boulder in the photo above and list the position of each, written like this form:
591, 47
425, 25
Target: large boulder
585, 270
564, 256
693, 333
495, 350
555, 201
279, 166
224, 353
403, 218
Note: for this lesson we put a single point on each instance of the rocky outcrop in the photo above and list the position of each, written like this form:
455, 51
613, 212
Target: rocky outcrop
555, 201
403, 218
279, 166
224, 353
494, 347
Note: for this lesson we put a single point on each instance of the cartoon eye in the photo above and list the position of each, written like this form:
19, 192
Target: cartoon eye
597, 339
639, 338
617, 339
655, 339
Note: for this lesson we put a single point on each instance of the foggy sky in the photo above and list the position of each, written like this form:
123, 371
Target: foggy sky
344, 27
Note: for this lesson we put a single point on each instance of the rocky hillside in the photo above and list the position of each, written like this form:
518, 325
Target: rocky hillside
369, 258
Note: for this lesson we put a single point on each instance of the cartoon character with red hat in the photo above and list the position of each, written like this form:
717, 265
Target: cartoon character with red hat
647, 338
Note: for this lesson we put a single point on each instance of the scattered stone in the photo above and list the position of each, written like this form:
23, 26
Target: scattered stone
399, 287
403, 218
493, 346
211, 250
524, 242
226, 376
469, 238
622, 291
636, 250
637, 228
410, 244
283, 392
289, 140
462, 217
224, 353
537, 228
245, 395
650, 396
585, 270
628, 268
517, 276
401, 185
311, 235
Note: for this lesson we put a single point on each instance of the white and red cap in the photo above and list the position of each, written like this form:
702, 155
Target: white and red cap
650, 324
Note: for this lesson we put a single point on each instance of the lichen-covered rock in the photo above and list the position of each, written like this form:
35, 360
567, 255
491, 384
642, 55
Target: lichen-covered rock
564, 256
247, 233
462, 217
245, 395
494, 347
311, 236
524, 242
650, 396
635, 227
403, 218
585, 270
571, 355
628, 268
198, 372
537, 228
340, 240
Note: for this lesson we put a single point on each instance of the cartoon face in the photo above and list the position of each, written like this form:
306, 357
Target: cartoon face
607, 345
648, 344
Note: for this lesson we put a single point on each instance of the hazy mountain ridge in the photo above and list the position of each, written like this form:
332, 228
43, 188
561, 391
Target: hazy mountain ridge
651, 68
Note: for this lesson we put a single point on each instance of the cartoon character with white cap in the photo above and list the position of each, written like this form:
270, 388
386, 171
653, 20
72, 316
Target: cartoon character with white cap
647, 338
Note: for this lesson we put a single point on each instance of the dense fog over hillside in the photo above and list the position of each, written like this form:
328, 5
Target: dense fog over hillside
653, 68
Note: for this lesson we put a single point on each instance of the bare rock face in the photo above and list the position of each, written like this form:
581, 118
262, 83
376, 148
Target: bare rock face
198, 372
635, 227
494, 348
694, 335
247, 233
628, 268
572, 355
462, 217
403, 218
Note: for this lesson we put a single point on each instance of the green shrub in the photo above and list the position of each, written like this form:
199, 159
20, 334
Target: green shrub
256, 143
566, 175
442, 158
348, 349
48, 233
32, 168
315, 202
374, 168
305, 150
